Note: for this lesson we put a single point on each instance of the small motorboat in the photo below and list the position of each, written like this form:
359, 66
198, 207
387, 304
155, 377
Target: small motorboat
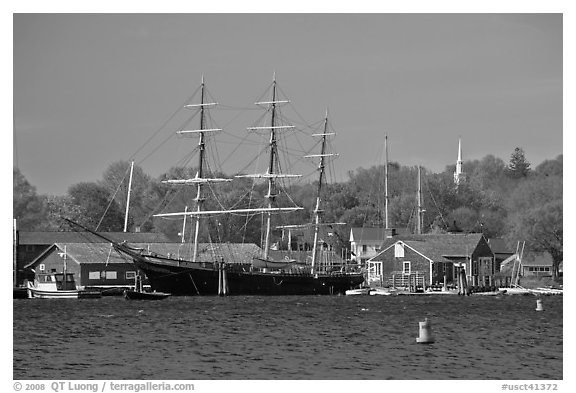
138, 295
58, 286
380, 291
358, 291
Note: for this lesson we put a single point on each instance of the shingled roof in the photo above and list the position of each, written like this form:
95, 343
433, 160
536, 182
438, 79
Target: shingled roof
48, 238
367, 234
498, 246
104, 253
437, 247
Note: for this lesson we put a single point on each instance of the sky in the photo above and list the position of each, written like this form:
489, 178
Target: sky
90, 89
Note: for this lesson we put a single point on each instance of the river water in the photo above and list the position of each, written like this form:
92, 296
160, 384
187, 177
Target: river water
303, 338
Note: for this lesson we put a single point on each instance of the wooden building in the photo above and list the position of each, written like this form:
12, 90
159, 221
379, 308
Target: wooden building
429, 260
30, 245
536, 264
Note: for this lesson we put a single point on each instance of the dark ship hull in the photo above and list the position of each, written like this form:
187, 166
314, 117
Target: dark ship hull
189, 278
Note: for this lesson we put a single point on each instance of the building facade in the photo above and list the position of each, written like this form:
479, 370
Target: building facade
432, 260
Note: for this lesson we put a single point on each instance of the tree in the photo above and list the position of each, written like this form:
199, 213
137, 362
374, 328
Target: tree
99, 211
550, 167
489, 173
116, 180
541, 226
518, 167
28, 208
58, 207
535, 210
465, 219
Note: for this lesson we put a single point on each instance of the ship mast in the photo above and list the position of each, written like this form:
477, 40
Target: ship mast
271, 196
317, 210
199, 180
201, 147
270, 174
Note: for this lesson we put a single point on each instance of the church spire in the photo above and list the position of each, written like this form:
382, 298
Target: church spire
459, 175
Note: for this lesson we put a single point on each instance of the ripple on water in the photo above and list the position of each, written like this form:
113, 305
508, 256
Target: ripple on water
314, 337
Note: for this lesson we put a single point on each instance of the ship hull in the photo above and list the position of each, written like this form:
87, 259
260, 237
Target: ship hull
189, 279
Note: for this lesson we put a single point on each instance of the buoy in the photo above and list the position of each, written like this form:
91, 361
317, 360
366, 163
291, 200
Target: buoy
539, 305
425, 333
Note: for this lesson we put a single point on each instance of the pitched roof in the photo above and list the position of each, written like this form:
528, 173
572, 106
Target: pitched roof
537, 259
367, 234
437, 247
303, 256
499, 246
47, 238
104, 253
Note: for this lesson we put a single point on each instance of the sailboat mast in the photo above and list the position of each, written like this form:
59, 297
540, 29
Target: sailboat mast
271, 183
64, 269
128, 197
419, 197
386, 181
317, 210
201, 147
15, 253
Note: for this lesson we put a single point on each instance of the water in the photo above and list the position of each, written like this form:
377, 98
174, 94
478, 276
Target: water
307, 337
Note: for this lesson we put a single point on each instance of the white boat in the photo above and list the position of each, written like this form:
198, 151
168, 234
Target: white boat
517, 290
380, 291
358, 291
53, 286
547, 291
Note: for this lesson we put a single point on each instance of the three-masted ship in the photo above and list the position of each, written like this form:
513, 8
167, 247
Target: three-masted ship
263, 275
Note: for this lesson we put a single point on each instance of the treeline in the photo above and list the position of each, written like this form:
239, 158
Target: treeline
509, 200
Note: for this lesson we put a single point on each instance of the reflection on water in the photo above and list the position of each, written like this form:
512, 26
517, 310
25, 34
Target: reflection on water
308, 337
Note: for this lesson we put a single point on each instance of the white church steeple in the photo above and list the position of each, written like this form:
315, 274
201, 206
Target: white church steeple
459, 175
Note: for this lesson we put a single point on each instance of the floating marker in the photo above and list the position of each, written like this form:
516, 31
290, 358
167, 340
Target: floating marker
539, 305
425, 333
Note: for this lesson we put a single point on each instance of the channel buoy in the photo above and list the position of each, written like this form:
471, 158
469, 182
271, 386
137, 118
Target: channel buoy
425, 333
539, 305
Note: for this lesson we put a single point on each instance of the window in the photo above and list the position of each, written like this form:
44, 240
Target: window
406, 269
93, 275
110, 275
41, 267
364, 248
375, 268
130, 275
399, 250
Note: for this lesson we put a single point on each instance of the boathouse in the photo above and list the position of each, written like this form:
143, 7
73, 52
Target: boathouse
30, 245
431, 260
536, 264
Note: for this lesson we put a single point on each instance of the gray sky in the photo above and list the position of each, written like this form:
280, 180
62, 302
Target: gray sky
89, 89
